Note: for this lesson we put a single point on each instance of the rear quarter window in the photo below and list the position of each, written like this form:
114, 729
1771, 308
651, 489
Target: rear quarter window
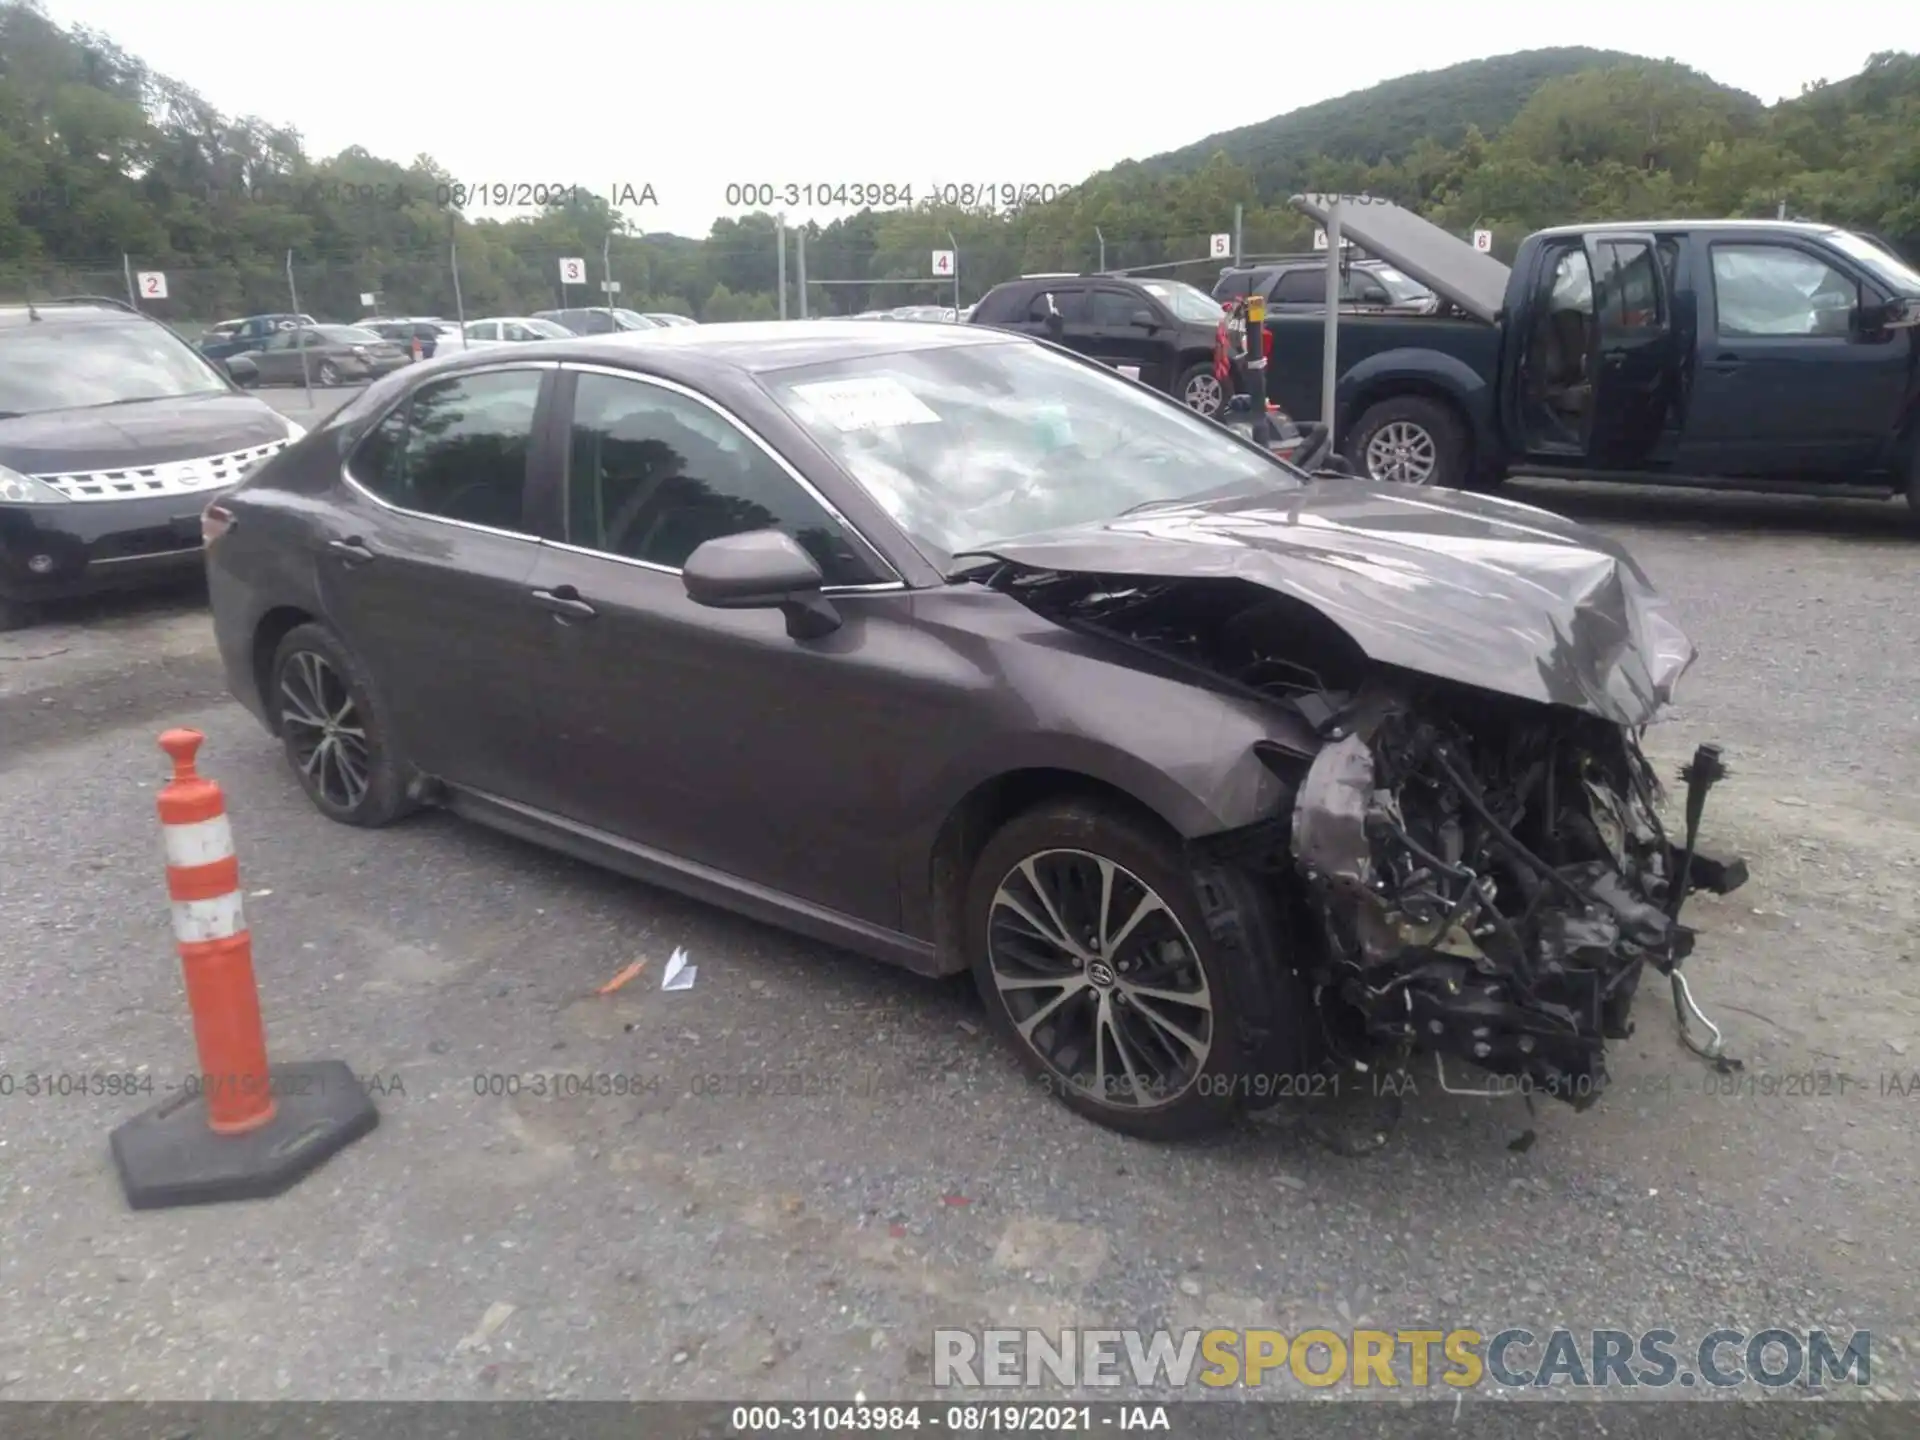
1003, 303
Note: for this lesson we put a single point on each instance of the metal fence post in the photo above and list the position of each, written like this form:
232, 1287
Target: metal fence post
293, 294
954, 245
459, 304
1101, 239
800, 266
1239, 232
1330, 340
133, 294
780, 260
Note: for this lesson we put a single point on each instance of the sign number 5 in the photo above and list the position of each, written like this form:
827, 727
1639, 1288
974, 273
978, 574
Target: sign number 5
152, 285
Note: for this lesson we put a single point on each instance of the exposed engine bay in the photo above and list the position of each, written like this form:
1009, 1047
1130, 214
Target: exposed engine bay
1477, 875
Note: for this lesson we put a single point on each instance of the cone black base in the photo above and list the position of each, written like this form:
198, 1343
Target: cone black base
168, 1157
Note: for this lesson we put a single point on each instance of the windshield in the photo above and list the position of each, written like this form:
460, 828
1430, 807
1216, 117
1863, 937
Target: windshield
1403, 288
972, 444
635, 321
346, 335
53, 366
1883, 263
548, 328
1184, 300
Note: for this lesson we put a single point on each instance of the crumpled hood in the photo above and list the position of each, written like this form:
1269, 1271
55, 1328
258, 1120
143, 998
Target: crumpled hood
1458, 586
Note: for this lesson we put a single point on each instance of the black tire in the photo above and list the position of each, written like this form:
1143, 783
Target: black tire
1256, 1023
1433, 443
15, 615
327, 375
1200, 378
1913, 483
382, 797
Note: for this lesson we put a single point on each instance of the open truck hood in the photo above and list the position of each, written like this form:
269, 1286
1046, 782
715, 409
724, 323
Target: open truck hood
1441, 261
1461, 587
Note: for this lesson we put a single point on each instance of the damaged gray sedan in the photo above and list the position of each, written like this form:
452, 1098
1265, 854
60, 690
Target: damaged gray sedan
955, 649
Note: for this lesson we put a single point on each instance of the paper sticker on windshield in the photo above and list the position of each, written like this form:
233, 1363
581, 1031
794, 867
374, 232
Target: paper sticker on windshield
873, 404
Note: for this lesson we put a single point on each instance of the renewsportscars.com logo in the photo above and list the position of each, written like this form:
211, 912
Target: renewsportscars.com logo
1391, 1359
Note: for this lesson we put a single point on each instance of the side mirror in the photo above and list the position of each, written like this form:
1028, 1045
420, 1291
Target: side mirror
761, 570
240, 369
1144, 319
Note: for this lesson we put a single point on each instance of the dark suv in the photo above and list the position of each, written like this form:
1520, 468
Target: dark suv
1299, 283
1160, 332
115, 434
241, 337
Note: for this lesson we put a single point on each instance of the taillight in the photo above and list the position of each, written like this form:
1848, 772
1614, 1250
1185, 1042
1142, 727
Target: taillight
215, 521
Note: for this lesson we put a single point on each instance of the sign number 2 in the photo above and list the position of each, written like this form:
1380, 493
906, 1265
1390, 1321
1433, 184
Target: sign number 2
152, 285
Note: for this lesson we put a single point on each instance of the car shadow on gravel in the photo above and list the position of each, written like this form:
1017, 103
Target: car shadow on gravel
1723, 512
159, 599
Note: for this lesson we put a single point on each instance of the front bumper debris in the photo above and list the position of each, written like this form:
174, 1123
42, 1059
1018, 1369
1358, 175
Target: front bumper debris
1493, 880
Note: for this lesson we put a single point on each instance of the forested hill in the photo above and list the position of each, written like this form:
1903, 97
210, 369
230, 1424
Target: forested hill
1384, 122
107, 168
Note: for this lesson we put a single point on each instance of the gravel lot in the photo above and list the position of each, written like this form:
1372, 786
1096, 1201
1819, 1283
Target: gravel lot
711, 1239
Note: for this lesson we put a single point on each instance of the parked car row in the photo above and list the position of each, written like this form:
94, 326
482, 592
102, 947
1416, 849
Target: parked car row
273, 345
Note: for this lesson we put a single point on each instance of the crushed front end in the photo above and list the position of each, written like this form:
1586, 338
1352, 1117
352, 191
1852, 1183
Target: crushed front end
1491, 879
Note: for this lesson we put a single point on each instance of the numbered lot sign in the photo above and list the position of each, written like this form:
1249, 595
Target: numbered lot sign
1319, 239
573, 272
943, 262
1220, 246
1483, 241
151, 284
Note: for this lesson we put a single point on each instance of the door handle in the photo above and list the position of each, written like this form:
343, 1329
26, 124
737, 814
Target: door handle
1724, 364
565, 601
351, 550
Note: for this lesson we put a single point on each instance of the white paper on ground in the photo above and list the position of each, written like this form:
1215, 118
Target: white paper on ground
874, 403
680, 975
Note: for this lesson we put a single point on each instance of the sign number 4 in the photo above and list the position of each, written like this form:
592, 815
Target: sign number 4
152, 285
943, 262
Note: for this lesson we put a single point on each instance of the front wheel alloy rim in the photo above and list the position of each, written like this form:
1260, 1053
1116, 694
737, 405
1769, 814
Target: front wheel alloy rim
322, 725
329, 375
1203, 394
1100, 979
1403, 451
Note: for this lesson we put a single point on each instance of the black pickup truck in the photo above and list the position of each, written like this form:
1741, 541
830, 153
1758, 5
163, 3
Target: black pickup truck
1727, 354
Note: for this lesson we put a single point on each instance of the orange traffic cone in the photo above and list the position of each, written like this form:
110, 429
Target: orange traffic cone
240, 1129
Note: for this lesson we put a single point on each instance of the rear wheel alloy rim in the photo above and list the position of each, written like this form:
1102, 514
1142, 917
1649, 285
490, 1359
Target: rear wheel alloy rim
1403, 451
322, 724
1100, 978
328, 375
1203, 394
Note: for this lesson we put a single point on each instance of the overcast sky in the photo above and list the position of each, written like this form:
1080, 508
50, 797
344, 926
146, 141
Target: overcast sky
693, 95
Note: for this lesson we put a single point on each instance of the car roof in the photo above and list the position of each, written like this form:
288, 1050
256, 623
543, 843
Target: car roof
53, 312
748, 346
1681, 227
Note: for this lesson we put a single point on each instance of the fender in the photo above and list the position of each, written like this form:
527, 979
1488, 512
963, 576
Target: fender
1413, 368
1230, 789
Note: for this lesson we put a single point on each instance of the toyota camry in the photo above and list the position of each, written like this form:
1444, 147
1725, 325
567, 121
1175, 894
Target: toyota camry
953, 648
